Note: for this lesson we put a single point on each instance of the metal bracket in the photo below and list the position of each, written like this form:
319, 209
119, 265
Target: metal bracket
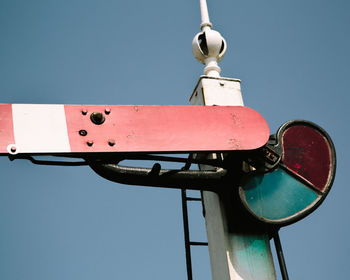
158, 177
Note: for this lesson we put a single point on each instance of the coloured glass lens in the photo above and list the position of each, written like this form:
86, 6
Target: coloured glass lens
307, 153
277, 195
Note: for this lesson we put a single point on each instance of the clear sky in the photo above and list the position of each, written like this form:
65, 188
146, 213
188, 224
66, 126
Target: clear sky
66, 222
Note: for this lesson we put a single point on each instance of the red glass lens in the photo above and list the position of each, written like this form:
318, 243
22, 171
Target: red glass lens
307, 153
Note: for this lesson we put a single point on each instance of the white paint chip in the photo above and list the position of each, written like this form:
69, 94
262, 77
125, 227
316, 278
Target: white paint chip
40, 128
233, 273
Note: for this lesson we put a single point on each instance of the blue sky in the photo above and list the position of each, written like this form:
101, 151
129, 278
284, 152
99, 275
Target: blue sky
68, 223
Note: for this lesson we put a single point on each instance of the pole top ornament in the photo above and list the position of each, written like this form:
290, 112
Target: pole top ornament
208, 46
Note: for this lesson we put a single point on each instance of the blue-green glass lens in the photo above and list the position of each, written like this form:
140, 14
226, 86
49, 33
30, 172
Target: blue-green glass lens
277, 195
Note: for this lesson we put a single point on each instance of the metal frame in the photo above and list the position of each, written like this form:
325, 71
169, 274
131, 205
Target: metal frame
267, 167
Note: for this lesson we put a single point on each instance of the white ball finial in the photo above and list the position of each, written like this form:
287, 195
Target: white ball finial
209, 47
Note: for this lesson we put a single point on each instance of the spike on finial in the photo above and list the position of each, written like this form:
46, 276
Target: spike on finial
208, 46
204, 15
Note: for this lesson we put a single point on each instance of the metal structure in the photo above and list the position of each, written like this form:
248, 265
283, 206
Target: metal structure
301, 171
235, 242
251, 185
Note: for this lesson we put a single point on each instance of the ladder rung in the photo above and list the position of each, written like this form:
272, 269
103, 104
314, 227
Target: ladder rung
193, 199
193, 243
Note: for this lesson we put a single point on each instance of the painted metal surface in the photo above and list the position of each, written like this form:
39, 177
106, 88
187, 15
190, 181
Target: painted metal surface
96, 128
251, 258
236, 252
6, 128
208, 46
204, 14
39, 128
217, 91
300, 180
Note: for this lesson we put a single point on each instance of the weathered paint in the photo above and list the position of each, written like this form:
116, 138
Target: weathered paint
6, 127
40, 128
213, 91
239, 253
277, 195
250, 253
130, 128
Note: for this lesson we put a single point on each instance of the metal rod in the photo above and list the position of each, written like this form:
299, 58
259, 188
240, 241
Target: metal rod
186, 234
50, 162
204, 14
114, 158
280, 256
212, 162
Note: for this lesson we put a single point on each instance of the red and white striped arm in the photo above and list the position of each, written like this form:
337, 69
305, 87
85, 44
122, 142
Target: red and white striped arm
60, 129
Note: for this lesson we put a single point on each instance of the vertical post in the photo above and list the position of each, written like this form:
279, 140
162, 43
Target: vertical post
239, 248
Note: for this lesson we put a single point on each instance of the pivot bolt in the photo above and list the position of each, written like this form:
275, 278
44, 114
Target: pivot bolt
90, 143
97, 118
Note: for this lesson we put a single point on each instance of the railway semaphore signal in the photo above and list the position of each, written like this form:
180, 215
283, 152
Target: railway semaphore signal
251, 184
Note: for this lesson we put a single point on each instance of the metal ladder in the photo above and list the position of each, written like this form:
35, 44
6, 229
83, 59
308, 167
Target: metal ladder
188, 242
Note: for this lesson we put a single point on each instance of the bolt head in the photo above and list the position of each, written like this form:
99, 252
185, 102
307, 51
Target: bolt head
111, 142
82, 132
97, 118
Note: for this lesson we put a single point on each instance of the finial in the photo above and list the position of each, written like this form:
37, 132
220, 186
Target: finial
208, 46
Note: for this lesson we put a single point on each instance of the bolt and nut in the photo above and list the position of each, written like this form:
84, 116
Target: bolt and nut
82, 132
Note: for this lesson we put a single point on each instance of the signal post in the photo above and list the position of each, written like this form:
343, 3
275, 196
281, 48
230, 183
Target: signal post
238, 249
251, 184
